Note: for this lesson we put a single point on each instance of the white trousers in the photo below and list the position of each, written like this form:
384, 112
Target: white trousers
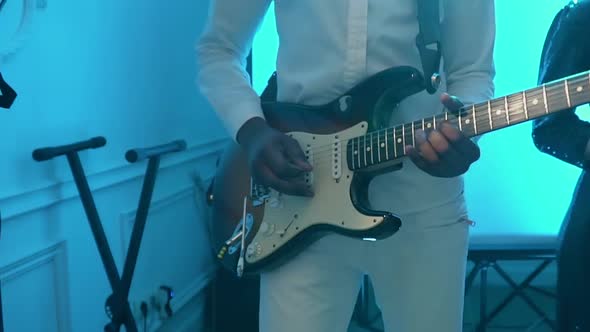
417, 274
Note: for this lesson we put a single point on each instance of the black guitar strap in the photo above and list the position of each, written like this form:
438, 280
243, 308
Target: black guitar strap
428, 42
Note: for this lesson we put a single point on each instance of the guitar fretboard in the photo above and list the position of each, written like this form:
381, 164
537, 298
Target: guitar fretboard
388, 144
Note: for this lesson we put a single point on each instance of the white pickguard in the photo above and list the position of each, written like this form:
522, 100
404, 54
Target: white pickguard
286, 216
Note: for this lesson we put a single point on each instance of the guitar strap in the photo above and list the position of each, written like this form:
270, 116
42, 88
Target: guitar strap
427, 41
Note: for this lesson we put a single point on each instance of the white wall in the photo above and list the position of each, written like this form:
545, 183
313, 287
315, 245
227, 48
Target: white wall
124, 70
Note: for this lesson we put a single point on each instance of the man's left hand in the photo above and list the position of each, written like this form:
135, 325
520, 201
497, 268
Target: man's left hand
445, 151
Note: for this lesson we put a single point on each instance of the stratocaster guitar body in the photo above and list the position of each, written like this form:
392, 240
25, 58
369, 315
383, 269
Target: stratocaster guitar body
279, 226
348, 142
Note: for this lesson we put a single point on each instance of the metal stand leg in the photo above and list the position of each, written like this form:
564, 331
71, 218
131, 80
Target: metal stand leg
116, 306
483, 291
518, 290
486, 259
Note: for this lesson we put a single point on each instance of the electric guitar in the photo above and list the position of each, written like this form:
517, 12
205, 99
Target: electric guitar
348, 141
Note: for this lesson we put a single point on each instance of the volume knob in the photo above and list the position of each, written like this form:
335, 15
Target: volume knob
267, 229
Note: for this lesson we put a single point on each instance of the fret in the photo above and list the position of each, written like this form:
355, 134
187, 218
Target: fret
516, 108
403, 137
474, 119
434, 122
534, 103
545, 99
507, 110
490, 114
460, 125
394, 144
350, 147
359, 151
468, 125
526, 110
378, 147
351, 150
365, 149
481, 118
372, 149
413, 136
567, 93
401, 141
578, 91
428, 123
556, 98
353, 153
350, 154
498, 113
390, 141
386, 146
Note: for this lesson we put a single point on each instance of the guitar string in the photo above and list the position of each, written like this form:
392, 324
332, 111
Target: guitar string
515, 108
321, 159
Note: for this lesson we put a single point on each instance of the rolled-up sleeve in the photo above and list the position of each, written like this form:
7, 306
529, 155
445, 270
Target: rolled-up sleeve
221, 52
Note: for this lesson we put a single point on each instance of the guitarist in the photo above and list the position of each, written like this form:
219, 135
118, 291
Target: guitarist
326, 47
565, 136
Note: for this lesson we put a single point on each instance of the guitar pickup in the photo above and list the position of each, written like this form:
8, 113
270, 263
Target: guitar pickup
308, 177
336, 158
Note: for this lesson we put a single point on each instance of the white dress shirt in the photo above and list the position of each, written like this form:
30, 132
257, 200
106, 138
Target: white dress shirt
328, 46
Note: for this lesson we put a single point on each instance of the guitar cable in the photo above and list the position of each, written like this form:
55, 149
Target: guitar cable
240, 268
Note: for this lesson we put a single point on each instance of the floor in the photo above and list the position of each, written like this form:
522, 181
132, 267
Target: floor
517, 315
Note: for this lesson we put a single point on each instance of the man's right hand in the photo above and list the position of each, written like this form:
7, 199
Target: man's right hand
275, 159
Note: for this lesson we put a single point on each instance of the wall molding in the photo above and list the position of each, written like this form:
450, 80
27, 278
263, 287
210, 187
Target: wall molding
194, 192
127, 219
193, 290
27, 202
55, 256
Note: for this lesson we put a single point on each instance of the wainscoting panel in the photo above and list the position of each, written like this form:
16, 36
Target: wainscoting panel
34, 292
178, 254
21, 203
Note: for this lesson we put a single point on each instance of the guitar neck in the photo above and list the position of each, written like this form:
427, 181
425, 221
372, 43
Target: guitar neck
388, 144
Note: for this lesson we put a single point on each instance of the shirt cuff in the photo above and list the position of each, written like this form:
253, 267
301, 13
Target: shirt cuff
241, 113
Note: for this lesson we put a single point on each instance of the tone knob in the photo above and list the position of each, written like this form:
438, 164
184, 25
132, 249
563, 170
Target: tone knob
251, 250
267, 229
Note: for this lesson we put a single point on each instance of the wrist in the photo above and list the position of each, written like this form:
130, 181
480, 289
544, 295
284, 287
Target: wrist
251, 128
